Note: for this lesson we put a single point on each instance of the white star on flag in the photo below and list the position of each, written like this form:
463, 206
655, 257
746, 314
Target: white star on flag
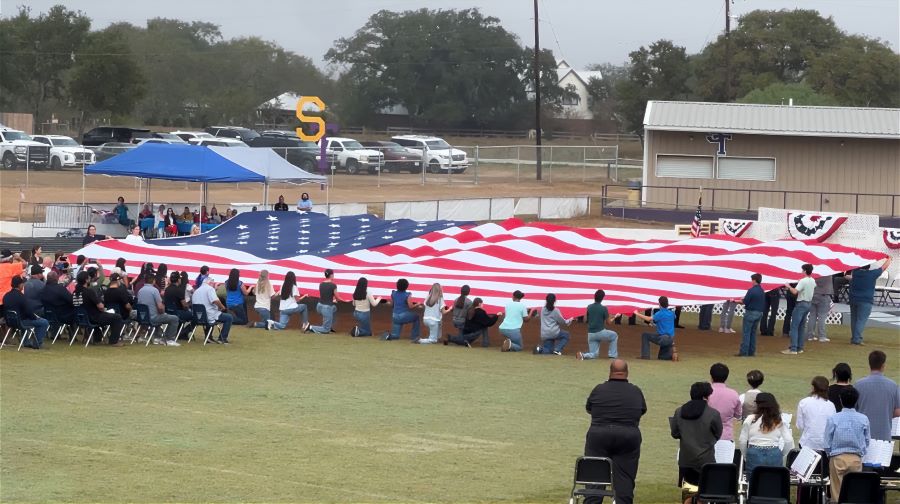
272, 218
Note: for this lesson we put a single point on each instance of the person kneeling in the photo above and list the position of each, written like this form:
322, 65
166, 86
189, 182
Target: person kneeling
476, 325
664, 320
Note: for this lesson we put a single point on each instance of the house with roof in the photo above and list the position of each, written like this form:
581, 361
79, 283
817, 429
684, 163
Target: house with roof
746, 156
578, 105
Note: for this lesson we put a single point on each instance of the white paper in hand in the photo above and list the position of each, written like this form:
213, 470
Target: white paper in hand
806, 463
724, 451
895, 427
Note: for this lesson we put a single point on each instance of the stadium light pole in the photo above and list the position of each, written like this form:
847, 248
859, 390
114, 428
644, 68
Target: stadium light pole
537, 91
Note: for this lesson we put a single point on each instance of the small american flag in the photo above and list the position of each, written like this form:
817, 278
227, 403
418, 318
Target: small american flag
695, 226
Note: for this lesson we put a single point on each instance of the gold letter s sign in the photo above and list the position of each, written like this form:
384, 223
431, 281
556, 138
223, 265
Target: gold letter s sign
315, 100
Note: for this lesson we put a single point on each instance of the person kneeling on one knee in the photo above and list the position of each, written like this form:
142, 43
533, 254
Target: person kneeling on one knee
664, 320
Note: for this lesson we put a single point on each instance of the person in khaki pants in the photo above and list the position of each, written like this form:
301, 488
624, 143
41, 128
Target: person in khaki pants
846, 439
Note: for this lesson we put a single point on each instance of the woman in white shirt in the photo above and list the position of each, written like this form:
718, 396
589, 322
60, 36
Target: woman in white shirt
288, 305
434, 314
135, 234
765, 438
263, 305
362, 306
813, 413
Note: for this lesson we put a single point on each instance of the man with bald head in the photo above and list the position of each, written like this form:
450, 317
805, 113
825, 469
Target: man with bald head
616, 408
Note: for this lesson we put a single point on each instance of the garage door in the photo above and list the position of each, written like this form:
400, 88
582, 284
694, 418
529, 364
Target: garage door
697, 167
737, 168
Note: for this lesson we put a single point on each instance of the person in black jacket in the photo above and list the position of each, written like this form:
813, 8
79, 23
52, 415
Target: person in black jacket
476, 325
89, 298
56, 297
14, 300
281, 206
698, 427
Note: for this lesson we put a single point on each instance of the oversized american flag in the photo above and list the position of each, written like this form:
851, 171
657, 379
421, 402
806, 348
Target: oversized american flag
695, 224
494, 259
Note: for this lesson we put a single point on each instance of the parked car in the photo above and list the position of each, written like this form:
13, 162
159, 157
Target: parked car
242, 134
350, 155
165, 141
295, 151
111, 149
17, 148
441, 156
218, 142
188, 135
65, 151
171, 137
120, 134
396, 157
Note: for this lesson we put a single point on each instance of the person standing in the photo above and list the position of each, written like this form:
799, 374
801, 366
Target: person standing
434, 314
205, 295
841, 375
770, 313
281, 206
790, 301
819, 308
755, 379
697, 427
754, 305
664, 320
879, 397
812, 414
15, 300
304, 205
762, 434
846, 439
727, 316
92, 236
327, 305
724, 400
862, 296
597, 316
616, 408
515, 315
553, 337
804, 293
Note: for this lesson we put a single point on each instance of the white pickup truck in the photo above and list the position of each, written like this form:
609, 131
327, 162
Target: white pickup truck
350, 155
17, 148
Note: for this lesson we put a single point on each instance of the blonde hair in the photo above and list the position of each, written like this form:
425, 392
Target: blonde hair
262, 283
195, 230
434, 295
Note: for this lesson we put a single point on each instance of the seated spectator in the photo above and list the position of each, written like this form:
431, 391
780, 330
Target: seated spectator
281, 206
235, 294
88, 297
120, 269
187, 215
205, 295
214, 217
514, 316
476, 325
161, 277
460, 309
762, 434
145, 212
170, 223
289, 304
846, 439
755, 379
121, 211
33, 288
305, 204
203, 275
597, 317
263, 304
553, 337
327, 305
195, 230
92, 235
61, 263
14, 300
37, 258
56, 297
812, 414
226, 215
403, 312
363, 302
149, 297
234, 213
175, 301
118, 298
842, 376
434, 313
135, 234
698, 427
203, 217
664, 320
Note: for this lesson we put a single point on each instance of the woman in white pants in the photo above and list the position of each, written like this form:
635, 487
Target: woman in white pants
434, 313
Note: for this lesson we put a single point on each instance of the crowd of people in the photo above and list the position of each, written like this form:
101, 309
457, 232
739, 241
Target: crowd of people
836, 419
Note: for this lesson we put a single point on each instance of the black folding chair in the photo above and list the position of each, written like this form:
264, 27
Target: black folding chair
87, 328
54, 321
171, 309
146, 323
861, 488
14, 326
201, 319
769, 485
806, 492
593, 479
718, 483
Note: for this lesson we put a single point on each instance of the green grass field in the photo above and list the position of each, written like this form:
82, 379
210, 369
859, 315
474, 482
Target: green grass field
290, 417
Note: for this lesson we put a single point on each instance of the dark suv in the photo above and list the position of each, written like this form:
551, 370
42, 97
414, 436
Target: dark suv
106, 134
296, 151
243, 134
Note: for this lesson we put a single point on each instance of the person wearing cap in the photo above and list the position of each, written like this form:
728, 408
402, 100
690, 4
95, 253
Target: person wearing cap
762, 434
862, 296
15, 300
33, 287
92, 235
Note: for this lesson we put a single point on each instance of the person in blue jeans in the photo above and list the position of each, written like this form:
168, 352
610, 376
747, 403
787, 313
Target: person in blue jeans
664, 320
804, 292
327, 305
515, 315
862, 296
263, 305
554, 339
765, 439
363, 302
235, 293
289, 303
403, 313
597, 316
15, 300
754, 304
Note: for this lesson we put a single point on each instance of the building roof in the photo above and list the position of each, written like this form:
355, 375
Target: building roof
563, 69
781, 120
288, 101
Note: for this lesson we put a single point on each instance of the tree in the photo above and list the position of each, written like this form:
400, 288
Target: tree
105, 78
605, 91
781, 94
447, 67
43, 50
860, 72
659, 72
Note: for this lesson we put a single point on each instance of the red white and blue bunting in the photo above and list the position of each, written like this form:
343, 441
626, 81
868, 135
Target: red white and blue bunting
805, 226
892, 238
735, 227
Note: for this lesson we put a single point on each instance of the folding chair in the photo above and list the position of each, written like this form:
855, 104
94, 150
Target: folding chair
87, 328
173, 310
146, 323
718, 483
861, 488
54, 321
128, 328
593, 478
14, 325
769, 485
201, 319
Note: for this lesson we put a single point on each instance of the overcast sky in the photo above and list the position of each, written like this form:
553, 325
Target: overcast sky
580, 31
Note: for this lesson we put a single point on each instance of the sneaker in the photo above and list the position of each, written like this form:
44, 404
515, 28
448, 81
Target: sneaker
172, 343
810, 338
506, 345
721, 330
788, 351
386, 336
158, 341
729, 331
579, 356
468, 345
536, 350
354, 331
800, 351
269, 324
858, 344
306, 327
824, 340
557, 353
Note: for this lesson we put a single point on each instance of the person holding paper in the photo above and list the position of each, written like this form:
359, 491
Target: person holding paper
724, 400
763, 432
879, 397
697, 426
812, 414
846, 440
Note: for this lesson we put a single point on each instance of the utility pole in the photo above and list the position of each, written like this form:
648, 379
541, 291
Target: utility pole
537, 90
728, 49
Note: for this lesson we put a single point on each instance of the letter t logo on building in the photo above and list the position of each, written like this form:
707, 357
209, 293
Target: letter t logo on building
719, 138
